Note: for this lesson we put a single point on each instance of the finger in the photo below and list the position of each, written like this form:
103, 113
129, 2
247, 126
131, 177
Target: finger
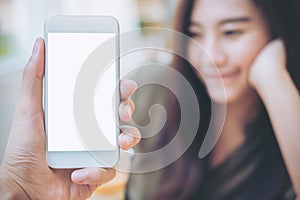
30, 100
93, 176
127, 88
126, 110
129, 137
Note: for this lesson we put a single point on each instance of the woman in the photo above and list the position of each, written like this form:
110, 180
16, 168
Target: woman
254, 46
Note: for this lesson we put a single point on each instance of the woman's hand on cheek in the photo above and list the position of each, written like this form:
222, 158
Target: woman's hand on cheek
269, 63
280, 95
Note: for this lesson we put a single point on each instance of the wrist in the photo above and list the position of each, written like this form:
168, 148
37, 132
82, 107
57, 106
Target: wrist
10, 189
278, 84
270, 79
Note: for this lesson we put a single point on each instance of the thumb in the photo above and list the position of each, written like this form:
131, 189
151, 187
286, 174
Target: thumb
27, 131
30, 100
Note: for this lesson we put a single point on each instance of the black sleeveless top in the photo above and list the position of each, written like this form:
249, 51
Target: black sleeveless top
254, 171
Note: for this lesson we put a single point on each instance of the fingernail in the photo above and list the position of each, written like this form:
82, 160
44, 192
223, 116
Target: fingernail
128, 139
79, 176
35, 48
128, 110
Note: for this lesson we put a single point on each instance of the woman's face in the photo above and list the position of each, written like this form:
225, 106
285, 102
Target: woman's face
231, 32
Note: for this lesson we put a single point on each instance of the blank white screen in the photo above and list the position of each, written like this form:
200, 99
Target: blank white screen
66, 54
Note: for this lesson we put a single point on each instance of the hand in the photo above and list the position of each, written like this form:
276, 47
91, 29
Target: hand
24, 170
269, 63
280, 96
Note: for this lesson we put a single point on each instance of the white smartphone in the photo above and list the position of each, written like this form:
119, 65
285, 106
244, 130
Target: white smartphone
81, 91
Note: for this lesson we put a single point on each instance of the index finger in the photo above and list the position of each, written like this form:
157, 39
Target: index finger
127, 88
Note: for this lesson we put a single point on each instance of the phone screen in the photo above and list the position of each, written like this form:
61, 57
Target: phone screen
67, 53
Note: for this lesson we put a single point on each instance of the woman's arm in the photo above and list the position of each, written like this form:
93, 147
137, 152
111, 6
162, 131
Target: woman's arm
274, 85
282, 101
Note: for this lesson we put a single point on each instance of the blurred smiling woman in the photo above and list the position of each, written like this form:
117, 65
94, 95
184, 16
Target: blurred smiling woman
254, 46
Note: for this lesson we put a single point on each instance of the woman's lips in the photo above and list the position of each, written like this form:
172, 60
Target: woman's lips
222, 75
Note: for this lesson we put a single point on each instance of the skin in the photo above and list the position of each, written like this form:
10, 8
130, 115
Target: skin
225, 62
240, 57
231, 40
24, 173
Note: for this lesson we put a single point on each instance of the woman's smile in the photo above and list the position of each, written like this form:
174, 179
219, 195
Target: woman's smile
222, 74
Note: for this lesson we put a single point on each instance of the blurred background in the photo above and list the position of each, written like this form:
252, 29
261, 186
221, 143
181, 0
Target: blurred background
21, 21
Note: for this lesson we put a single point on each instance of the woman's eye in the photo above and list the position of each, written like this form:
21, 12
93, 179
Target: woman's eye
232, 33
195, 35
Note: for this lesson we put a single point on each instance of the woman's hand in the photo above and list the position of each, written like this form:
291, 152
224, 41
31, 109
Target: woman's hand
269, 64
24, 173
272, 81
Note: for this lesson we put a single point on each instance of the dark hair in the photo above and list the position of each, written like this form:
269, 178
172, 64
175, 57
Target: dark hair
281, 16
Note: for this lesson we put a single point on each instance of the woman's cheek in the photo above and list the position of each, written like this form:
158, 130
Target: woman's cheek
246, 50
194, 58
198, 57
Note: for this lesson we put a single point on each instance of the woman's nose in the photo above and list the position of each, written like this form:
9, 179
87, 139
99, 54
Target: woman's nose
216, 53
